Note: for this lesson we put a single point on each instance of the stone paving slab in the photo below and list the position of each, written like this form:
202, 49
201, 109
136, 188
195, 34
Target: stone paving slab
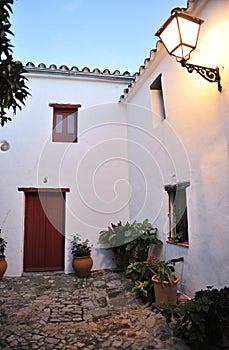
57, 311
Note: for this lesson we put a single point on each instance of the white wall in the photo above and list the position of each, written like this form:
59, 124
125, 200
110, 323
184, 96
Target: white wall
127, 178
95, 169
197, 122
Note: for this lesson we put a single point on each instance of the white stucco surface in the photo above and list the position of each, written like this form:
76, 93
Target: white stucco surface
193, 147
95, 169
127, 153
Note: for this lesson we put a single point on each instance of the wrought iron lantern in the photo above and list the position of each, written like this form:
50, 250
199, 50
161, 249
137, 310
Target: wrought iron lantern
179, 35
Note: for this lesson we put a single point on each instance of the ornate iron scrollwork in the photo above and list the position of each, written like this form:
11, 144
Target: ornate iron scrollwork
210, 74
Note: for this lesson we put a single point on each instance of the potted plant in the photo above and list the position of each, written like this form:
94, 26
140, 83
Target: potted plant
147, 237
140, 273
3, 262
177, 237
81, 252
129, 241
116, 237
165, 282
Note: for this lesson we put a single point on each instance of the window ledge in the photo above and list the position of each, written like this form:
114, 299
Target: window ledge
186, 245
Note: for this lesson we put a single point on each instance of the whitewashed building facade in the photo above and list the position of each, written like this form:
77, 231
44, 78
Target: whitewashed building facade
167, 135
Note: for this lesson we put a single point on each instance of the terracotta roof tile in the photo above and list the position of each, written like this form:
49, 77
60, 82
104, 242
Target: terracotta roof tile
152, 55
42, 68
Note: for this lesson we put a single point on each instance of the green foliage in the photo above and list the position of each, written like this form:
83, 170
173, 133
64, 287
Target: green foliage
177, 237
80, 248
3, 244
119, 235
13, 89
140, 245
143, 289
165, 270
141, 274
134, 238
203, 320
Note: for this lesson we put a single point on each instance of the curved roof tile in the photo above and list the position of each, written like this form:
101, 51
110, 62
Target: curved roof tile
117, 72
52, 66
147, 61
75, 69
30, 64
85, 69
41, 65
63, 69
106, 71
96, 70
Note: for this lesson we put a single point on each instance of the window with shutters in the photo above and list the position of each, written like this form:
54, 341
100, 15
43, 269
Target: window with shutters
65, 122
178, 218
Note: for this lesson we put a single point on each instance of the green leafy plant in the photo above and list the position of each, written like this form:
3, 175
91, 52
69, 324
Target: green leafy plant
202, 321
139, 247
141, 275
134, 239
80, 248
177, 237
165, 270
3, 244
119, 234
13, 89
144, 290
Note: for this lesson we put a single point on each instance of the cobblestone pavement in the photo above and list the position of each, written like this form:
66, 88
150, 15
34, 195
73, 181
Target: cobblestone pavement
58, 311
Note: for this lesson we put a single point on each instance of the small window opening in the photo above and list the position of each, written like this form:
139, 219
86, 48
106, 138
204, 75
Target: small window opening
178, 218
157, 100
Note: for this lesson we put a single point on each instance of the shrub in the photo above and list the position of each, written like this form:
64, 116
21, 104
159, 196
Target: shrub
202, 321
132, 239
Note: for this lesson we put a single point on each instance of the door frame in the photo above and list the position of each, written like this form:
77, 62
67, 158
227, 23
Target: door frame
42, 190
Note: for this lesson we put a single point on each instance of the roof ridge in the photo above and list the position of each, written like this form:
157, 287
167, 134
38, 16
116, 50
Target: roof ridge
142, 69
64, 67
152, 56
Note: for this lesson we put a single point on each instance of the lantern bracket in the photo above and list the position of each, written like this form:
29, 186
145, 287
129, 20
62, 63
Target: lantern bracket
210, 74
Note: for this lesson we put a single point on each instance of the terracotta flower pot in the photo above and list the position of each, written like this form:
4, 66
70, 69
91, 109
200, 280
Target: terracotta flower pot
119, 259
167, 293
82, 265
3, 267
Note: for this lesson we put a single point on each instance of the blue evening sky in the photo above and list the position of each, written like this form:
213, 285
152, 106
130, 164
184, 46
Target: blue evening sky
113, 34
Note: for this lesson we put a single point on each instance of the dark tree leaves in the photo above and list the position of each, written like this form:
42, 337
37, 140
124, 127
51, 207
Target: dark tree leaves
13, 89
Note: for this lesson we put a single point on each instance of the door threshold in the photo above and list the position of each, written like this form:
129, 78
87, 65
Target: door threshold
42, 273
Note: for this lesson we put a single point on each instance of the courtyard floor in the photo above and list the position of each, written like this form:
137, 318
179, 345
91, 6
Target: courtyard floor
57, 311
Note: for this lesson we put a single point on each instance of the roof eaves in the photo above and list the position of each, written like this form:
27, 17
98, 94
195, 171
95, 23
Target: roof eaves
74, 71
191, 4
142, 70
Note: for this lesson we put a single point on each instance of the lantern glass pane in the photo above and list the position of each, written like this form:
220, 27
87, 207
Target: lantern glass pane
170, 36
189, 31
182, 52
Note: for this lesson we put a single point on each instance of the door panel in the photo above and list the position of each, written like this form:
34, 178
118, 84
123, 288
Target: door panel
44, 231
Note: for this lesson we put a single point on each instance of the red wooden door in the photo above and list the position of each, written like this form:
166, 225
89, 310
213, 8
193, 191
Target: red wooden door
44, 231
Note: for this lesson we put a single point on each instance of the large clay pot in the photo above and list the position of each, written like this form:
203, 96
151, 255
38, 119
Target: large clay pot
119, 259
3, 267
167, 293
82, 265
